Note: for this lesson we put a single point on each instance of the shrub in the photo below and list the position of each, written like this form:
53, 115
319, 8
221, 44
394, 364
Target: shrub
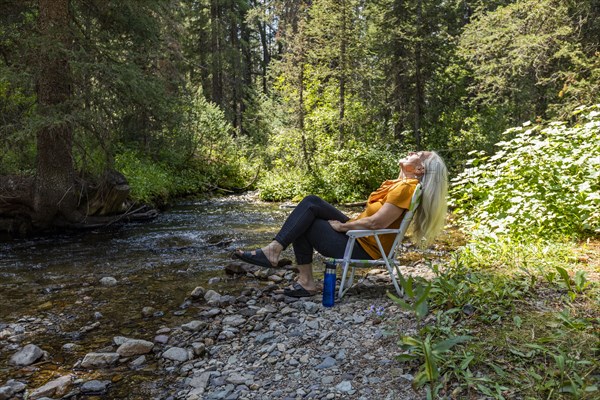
544, 182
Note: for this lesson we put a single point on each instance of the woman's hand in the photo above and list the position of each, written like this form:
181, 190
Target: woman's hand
337, 226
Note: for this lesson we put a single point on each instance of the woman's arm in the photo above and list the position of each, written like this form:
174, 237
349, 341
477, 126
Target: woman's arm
383, 218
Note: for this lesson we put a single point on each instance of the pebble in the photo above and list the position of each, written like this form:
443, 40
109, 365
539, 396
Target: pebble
99, 360
193, 326
55, 388
27, 355
108, 281
176, 354
95, 387
135, 347
254, 345
197, 293
328, 362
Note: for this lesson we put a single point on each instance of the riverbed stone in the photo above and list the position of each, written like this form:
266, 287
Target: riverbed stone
119, 340
99, 360
148, 311
194, 326
135, 347
11, 388
26, 356
198, 292
176, 354
55, 388
344, 386
95, 387
108, 281
161, 339
212, 297
327, 362
234, 320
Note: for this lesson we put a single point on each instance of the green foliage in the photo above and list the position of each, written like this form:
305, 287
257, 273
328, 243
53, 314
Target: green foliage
492, 292
341, 175
418, 292
544, 182
148, 180
525, 56
431, 355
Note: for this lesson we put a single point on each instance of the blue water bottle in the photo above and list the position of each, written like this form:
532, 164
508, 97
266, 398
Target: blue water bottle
329, 285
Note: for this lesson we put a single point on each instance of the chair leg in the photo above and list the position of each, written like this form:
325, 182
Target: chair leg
345, 266
399, 290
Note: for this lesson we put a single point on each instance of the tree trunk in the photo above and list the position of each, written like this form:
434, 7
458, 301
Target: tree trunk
342, 100
215, 50
55, 178
418, 78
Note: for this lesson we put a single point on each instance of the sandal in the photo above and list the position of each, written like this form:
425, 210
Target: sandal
258, 258
297, 290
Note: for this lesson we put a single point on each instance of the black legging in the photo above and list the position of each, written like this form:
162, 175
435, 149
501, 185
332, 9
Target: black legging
307, 229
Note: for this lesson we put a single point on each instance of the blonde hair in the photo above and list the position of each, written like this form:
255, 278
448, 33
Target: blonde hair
430, 216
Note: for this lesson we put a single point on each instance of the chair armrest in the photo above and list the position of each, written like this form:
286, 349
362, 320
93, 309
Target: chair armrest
356, 233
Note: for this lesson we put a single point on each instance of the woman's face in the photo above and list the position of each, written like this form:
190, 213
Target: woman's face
413, 163
413, 158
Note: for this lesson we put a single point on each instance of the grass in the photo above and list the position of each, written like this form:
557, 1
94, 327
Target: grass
532, 312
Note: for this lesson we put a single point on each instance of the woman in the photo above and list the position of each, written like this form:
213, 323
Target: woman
316, 225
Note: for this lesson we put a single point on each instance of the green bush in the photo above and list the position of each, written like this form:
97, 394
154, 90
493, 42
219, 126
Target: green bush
150, 182
544, 182
337, 175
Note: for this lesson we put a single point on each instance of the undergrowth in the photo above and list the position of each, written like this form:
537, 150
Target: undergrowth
506, 319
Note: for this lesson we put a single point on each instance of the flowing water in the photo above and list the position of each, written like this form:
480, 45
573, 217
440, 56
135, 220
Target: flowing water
51, 285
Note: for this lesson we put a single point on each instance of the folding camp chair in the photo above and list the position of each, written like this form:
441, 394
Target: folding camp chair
388, 259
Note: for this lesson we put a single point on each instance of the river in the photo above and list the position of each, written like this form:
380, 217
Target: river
50, 285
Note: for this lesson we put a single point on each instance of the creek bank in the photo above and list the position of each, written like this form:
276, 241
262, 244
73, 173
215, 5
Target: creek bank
255, 345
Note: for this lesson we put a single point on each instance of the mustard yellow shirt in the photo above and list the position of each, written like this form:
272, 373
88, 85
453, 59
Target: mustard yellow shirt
397, 192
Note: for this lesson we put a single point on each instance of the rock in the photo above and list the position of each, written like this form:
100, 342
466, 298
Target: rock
138, 362
161, 339
201, 381
199, 349
135, 347
6, 393
234, 268
193, 326
108, 281
99, 360
119, 340
214, 280
197, 293
11, 388
69, 347
213, 312
328, 362
212, 297
265, 337
176, 354
56, 388
148, 311
95, 387
344, 386
236, 378
275, 278
311, 307
234, 320
26, 356
226, 300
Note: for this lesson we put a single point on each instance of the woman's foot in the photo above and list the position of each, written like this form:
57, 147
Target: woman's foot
297, 290
267, 256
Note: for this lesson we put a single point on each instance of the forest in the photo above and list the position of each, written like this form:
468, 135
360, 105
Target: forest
112, 109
